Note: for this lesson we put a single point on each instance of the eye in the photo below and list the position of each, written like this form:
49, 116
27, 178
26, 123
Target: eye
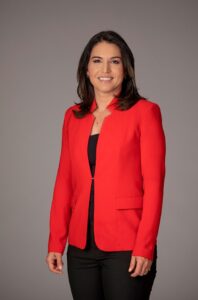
96, 60
115, 61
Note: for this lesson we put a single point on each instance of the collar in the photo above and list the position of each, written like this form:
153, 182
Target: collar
111, 106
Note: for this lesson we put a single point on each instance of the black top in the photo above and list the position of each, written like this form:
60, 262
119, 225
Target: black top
92, 144
92, 151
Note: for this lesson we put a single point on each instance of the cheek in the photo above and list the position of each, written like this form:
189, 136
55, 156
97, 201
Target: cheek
120, 77
93, 73
120, 73
90, 70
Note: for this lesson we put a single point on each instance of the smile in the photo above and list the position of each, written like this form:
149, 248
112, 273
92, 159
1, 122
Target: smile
105, 78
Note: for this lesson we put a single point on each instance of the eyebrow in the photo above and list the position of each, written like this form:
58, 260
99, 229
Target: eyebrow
101, 57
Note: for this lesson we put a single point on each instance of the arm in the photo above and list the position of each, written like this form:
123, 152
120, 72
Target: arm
153, 151
60, 208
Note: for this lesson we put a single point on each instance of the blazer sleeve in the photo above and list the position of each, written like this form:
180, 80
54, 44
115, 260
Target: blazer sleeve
60, 212
153, 152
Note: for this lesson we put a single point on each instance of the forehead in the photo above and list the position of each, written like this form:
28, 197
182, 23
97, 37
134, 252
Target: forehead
105, 49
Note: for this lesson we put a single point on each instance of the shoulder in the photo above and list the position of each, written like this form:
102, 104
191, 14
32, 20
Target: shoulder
69, 111
149, 111
148, 107
145, 104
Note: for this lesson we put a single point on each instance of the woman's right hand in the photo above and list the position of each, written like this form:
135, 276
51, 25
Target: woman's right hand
54, 262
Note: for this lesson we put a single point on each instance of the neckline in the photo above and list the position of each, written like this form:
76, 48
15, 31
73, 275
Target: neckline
111, 106
95, 134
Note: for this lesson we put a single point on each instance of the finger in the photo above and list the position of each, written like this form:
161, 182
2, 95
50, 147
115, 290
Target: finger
150, 264
59, 266
132, 263
52, 264
145, 268
138, 268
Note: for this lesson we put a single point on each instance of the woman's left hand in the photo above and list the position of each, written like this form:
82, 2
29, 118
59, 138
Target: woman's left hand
139, 265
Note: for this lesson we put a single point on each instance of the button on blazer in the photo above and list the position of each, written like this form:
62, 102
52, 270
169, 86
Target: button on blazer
128, 180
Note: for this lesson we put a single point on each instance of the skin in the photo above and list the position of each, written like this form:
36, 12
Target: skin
55, 262
105, 61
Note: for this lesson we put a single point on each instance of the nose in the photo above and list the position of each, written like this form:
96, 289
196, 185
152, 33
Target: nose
106, 67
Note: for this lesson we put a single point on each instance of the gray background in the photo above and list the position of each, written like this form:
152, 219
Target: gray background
41, 42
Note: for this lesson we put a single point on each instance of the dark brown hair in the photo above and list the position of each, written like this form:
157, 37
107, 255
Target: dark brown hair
129, 93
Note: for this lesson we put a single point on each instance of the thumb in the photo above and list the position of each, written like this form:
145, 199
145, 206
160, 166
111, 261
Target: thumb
132, 263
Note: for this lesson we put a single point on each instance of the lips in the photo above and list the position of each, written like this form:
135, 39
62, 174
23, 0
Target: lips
105, 78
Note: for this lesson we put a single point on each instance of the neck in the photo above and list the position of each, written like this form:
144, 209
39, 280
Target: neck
103, 101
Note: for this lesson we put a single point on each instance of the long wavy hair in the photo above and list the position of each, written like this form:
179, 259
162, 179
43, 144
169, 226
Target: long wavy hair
129, 93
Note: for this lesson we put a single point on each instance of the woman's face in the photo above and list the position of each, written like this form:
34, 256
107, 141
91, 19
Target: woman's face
105, 69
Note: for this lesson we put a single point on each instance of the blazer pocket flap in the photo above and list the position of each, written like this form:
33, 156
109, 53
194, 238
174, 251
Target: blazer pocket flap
128, 202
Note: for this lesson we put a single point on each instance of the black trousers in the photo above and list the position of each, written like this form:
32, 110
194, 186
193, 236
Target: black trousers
100, 275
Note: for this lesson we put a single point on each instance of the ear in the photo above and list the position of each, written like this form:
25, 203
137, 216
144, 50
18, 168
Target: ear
87, 73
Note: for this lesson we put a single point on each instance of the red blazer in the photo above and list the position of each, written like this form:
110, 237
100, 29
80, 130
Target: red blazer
129, 180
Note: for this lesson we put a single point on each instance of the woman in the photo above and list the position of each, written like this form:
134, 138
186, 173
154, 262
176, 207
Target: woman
109, 187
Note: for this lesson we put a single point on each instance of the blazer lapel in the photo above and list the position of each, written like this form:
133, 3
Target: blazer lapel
103, 134
81, 136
